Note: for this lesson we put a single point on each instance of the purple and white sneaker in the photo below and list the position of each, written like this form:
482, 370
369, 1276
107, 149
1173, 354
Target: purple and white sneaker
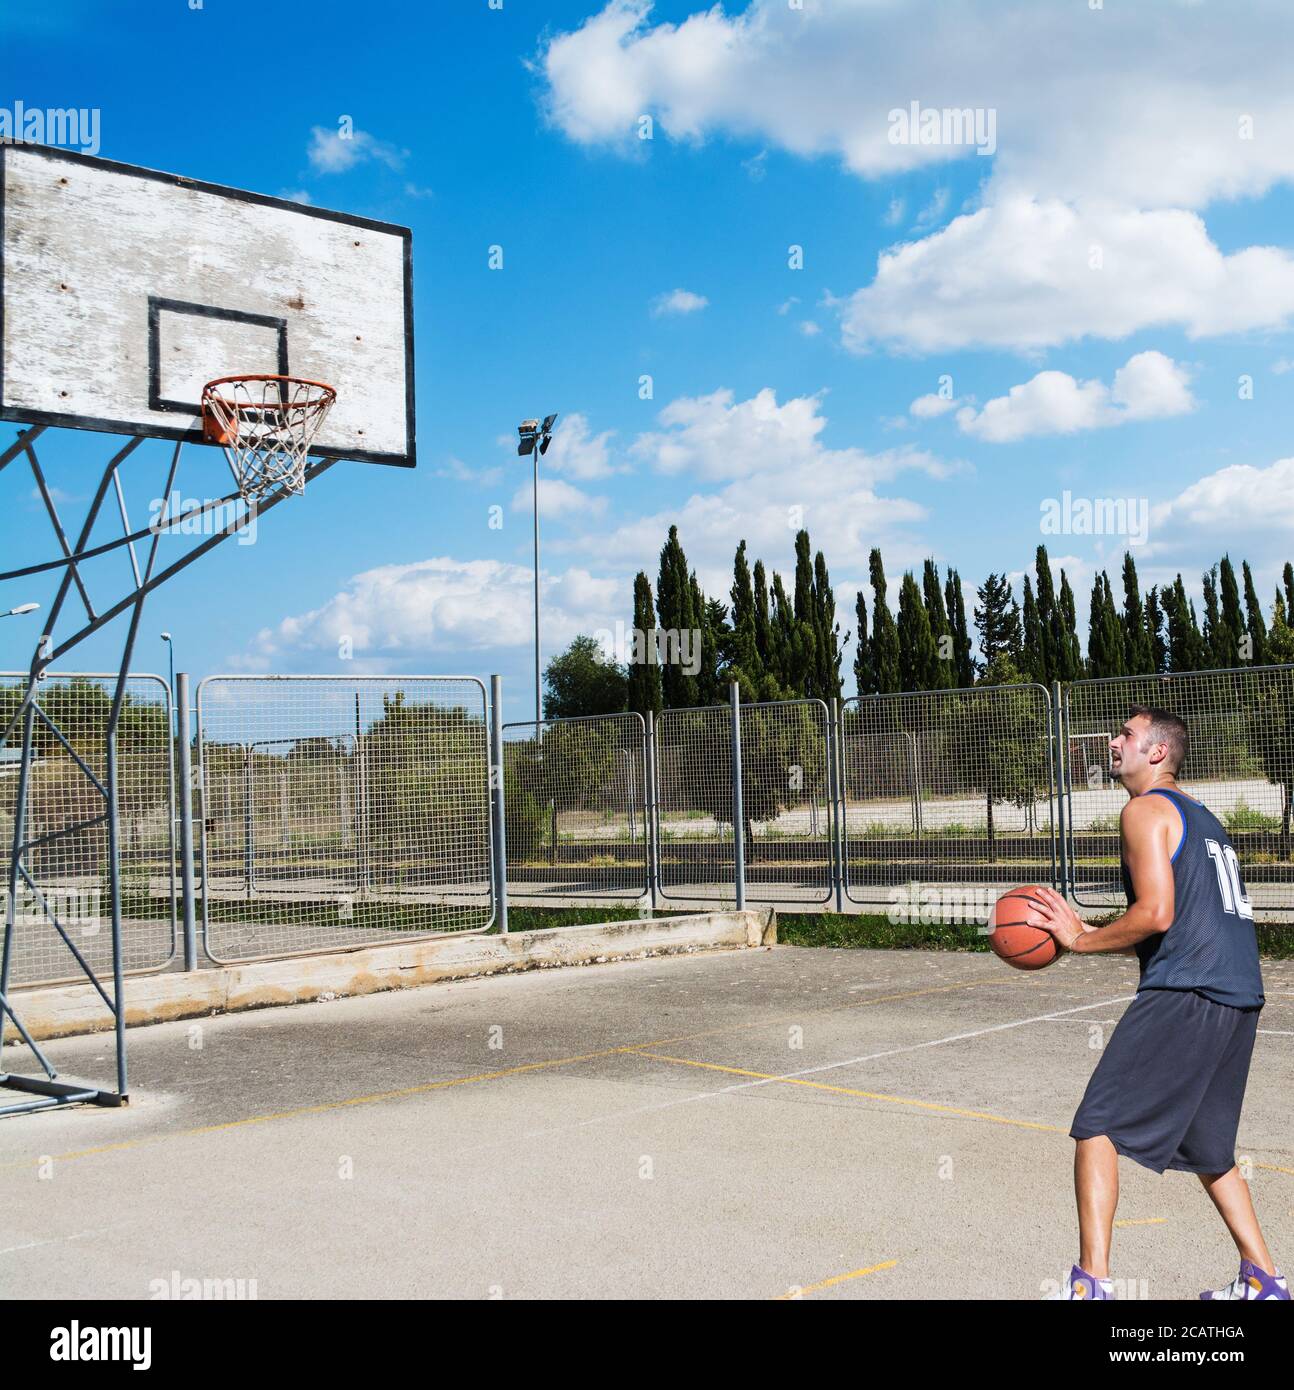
1253, 1283
1079, 1285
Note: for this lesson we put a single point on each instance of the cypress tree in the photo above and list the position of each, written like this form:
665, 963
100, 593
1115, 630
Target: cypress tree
680, 621
783, 637
940, 627
1155, 632
745, 651
1216, 653
1031, 665
1050, 623
864, 675
1186, 651
918, 655
1138, 654
962, 657
1066, 651
1254, 620
763, 623
644, 675
709, 688
830, 686
1233, 622
1287, 574
885, 635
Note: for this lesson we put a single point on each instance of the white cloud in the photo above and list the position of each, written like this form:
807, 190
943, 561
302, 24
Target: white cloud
809, 328
1021, 275
932, 405
297, 195
678, 302
331, 152
1241, 498
464, 473
894, 213
557, 499
1140, 103
442, 606
1146, 113
1148, 386
577, 451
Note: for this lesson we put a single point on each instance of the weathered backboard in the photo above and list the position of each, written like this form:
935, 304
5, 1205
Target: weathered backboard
124, 290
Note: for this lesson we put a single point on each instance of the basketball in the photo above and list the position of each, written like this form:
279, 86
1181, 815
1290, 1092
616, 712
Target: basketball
1012, 938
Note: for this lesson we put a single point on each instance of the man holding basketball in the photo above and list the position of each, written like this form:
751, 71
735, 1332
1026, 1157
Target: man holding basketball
1168, 1090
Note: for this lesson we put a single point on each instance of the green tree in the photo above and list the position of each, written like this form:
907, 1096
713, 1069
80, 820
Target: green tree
940, 627
1032, 665
918, 655
1105, 633
829, 640
997, 619
644, 675
864, 674
1257, 628
885, 633
1155, 631
963, 657
1067, 654
1050, 620
680, 621
1138, 653
1233, 621
582, 681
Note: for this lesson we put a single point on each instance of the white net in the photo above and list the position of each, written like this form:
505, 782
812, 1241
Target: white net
266, 425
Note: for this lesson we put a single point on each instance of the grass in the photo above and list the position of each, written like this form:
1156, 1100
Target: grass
862, 931
1242, 816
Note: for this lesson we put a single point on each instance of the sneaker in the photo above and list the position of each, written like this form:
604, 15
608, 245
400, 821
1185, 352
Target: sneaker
1253, 1283
1080, 1285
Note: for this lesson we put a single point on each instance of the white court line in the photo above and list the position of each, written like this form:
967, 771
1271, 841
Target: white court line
808, 1071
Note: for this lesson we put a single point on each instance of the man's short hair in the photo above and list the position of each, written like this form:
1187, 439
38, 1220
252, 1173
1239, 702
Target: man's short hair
1166, 727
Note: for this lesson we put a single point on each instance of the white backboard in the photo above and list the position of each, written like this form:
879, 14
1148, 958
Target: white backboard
124, 290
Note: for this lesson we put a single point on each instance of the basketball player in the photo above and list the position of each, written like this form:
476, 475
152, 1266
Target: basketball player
1168, 1090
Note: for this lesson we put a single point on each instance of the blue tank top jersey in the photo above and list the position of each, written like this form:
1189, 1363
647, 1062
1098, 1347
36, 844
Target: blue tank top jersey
1211, 947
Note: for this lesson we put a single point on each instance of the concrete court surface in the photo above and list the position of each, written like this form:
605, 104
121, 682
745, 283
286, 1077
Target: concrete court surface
610, 1132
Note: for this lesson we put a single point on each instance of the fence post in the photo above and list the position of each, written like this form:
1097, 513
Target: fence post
738, 814
1059, 774
249, 864
834, 793
497, 810
186, 822
649, 793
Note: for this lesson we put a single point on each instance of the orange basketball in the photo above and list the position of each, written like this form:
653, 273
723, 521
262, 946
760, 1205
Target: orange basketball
1012, 938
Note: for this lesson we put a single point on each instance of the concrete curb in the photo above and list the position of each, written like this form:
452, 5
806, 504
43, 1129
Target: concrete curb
67, 1010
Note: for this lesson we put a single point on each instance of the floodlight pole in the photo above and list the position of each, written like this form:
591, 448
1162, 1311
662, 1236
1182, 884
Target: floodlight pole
538, 706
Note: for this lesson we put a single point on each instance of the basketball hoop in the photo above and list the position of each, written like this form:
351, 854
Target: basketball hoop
266, 425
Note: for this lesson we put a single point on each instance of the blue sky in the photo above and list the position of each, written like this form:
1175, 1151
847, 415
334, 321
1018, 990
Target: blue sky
779, 394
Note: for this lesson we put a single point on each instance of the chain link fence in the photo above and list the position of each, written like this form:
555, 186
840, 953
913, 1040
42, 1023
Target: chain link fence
340, 812
575, 799
1240, 765
785, 793
70, 872
949, 788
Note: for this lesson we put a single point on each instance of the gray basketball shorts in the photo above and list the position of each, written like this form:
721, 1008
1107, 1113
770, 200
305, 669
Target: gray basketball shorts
1168, 1089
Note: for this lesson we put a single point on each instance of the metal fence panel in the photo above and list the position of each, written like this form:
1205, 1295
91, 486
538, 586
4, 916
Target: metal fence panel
947, 788
341, 811
785, 795
1240, 765
575, 801
71, 872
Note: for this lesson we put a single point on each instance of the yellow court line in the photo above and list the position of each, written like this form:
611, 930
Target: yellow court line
424, 1087
792, 1294
1143, 1221
851, 1091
